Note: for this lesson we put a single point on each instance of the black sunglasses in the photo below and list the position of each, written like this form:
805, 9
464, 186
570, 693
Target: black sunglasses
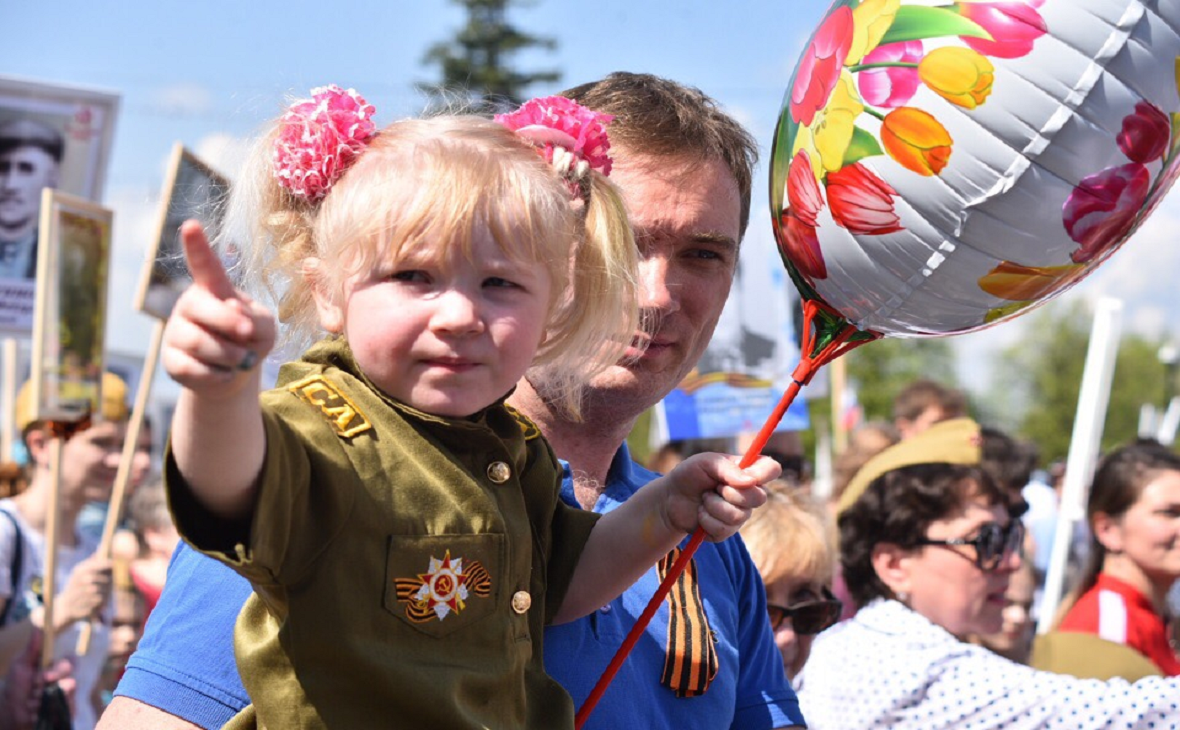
992, 543
807, 617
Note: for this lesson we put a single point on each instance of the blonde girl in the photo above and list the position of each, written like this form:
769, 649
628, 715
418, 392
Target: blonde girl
399, 523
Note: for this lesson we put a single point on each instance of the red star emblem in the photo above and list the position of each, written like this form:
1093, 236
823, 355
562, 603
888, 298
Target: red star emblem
444, 586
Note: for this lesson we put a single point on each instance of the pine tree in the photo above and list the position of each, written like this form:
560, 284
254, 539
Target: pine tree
476, 64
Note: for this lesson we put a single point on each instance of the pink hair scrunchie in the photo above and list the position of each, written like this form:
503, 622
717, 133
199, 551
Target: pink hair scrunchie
319, 138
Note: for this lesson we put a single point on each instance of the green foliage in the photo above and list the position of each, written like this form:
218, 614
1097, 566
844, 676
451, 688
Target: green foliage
881, 369
476, 62
1043, 373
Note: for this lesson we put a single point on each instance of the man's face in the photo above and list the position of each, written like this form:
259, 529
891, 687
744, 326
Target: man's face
931, 415
90, 460
24, 171
686, 217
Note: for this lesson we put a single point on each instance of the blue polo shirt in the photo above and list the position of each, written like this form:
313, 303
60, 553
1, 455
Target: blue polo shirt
184, 663
750, 690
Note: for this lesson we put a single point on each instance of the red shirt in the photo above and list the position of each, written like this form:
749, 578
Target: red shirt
149, 590
1118, 612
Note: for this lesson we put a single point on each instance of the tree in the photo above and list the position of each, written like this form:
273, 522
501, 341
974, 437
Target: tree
1041, 376
881, 369
476, 62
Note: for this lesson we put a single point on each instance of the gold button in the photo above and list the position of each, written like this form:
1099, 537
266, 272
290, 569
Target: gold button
521, 601
499, 472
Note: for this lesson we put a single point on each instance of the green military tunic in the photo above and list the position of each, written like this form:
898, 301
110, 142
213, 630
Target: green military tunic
403, 564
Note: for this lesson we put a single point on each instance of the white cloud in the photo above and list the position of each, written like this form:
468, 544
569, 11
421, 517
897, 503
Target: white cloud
755, 123
183, 100
223, 152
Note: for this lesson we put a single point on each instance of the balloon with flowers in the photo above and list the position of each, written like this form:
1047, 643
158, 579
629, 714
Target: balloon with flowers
939, 167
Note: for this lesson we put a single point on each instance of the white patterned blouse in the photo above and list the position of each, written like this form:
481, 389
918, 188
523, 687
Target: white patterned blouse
891, 667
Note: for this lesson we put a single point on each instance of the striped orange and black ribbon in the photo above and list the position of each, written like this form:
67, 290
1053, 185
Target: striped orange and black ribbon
691, 659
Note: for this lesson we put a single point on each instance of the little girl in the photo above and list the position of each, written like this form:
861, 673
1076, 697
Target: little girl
400, 524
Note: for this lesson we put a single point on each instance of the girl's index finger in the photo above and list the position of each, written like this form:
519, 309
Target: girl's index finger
206, 269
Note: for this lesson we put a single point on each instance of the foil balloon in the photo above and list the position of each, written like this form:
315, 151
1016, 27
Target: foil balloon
939, 167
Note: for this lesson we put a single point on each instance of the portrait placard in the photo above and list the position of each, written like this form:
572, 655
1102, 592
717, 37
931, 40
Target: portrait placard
73, 262
192, 190
51, 136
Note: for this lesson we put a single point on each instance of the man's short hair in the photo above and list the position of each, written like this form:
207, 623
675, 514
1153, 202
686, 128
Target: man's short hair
17, 133
915, 398
1011, 461
659, 117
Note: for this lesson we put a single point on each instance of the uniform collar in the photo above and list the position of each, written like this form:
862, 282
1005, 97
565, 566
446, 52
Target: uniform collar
334, 352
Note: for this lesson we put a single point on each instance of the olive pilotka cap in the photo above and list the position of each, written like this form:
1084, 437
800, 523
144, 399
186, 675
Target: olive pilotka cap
954, 441
114, 402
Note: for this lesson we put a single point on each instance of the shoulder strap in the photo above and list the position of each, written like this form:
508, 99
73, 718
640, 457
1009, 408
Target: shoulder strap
17, 548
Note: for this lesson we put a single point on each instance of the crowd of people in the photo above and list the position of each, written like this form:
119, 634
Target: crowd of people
435, 520
85, 581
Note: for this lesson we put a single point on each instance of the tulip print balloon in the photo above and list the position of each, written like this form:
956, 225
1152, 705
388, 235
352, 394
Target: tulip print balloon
941, 166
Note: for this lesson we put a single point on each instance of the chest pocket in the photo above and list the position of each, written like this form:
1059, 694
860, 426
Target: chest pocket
440, 584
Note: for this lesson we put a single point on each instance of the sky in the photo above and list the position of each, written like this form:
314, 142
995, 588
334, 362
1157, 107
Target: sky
211, 74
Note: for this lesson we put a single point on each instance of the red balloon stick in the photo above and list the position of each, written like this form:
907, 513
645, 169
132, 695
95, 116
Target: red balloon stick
826, 336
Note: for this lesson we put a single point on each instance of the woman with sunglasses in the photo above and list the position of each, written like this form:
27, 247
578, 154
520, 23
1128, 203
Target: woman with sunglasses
1134, 558
928, 546
792, 546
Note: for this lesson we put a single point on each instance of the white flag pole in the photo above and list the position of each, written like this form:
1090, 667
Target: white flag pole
1093, 398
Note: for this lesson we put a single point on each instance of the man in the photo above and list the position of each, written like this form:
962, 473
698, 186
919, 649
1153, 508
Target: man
684, 169
1011, 463
923, 403
30, 159
89, 461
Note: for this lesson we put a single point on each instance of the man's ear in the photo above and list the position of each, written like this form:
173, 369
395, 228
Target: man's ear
329, 309
891, 562
1108, 531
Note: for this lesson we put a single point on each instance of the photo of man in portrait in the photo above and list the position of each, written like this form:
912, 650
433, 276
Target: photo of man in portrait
30, 160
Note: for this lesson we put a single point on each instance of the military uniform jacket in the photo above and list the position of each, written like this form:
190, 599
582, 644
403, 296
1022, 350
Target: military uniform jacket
403, 564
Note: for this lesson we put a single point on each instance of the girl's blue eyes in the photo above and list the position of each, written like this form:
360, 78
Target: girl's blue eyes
409, 276
421, 277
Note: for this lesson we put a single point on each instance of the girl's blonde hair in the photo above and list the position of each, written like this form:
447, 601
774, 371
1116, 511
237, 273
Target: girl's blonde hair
422, 185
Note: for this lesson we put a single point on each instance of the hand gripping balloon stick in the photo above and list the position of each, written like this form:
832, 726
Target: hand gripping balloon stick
826, 336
